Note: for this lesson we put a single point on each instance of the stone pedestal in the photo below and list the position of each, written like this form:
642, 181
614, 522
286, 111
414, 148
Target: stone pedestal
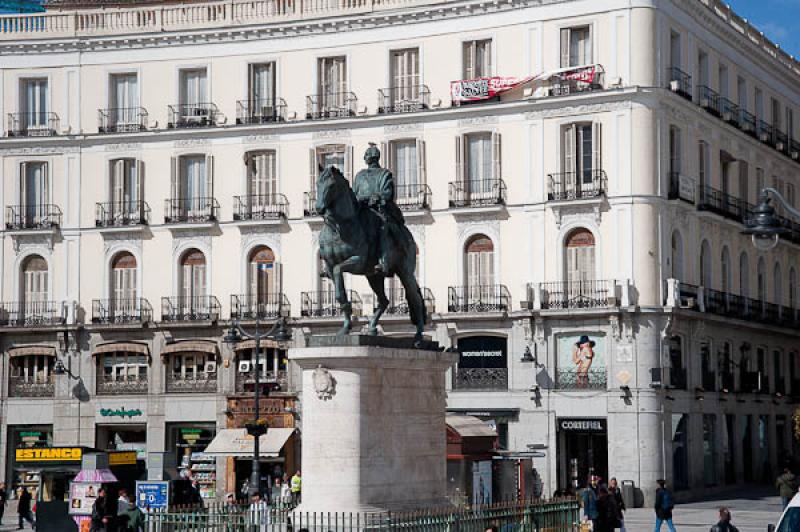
373, 418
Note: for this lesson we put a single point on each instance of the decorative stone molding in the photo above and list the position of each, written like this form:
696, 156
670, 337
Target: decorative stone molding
324, 383
253, 139
189, 143
199, 240
331, 134
39, 150
477, 121
402, 128
130, 146
577, 211
25, 243
579, 110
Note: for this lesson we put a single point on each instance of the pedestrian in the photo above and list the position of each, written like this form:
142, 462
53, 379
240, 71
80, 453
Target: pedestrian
122, 501
258, 514
101, 518
3, 500
589, 501
286, 492
132, 518
24, 508
275, 492
195, 496
613, 489
724, 524
607, 512
664, 505
787, 486
296, 487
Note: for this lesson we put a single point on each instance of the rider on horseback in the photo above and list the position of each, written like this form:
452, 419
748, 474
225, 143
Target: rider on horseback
374, 188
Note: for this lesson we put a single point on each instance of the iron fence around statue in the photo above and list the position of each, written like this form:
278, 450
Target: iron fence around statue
558, 515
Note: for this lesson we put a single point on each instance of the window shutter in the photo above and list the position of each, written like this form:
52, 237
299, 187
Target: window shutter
597, 163
137, 188
469, 60
118, 183
23, 183
569, 179
44, 184
387, 160
186, 282
487, 57
208, 191
277, 278
313, 170
175, 179
460, 173
199, 271
587, 49
496, 156
564, 47
253, 275
348, 164
421, 169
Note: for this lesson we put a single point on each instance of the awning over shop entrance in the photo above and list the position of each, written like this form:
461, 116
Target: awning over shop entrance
236, 442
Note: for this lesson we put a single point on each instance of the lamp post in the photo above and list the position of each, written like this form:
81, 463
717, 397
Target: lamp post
282, 335
764, 227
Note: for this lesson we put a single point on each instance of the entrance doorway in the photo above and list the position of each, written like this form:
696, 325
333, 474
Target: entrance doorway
582, 451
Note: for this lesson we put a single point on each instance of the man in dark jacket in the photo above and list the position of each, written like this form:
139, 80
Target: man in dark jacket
24, 508
589, 500
613, 489
101, 517
664, 506
607, 511
786, 484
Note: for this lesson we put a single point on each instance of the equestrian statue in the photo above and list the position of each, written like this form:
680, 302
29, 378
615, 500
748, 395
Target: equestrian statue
365, 234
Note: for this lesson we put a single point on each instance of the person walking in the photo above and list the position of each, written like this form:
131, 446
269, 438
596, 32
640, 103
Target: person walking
3, 500
787, 486
613, 489
131, 518
664, 506
258, 514
724, 524
101, 518
607, 511
296, 487
286, 492
24, 508
275, 492
589, 501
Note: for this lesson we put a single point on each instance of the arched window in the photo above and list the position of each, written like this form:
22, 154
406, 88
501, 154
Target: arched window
264, 279
35, 286
792, 288
579, 259
677, 256
479, 262
744, 275
777, 285
705, 264
193, 277
726, 270
123, 283
761, 280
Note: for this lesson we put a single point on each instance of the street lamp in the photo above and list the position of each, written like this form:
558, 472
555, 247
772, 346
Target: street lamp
764, 227
257, 428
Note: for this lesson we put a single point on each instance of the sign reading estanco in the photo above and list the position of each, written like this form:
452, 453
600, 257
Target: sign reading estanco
50, 454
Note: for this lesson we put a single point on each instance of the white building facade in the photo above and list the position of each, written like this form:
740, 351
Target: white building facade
158, 168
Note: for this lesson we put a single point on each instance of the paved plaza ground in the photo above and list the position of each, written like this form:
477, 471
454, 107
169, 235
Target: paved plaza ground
753, 509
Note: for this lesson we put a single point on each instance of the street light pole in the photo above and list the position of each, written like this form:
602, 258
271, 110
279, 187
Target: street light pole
256, 428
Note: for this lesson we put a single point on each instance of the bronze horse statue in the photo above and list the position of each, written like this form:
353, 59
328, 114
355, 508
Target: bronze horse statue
348, 243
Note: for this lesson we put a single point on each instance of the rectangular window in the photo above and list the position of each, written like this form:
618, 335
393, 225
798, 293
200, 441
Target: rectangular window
675, 50
576, 46
479, 158
34, 103
193, 87
776, 113
121, 368
262, 87
477, 59
674, 150
338, 155
723, 80
703, 164
332, 82
744, 171
790, 122
193, 366
702, 68
759, 109
192, 185
123, 100
760, 183
405, 164
580, 148
741, 89
262, 182
405, 75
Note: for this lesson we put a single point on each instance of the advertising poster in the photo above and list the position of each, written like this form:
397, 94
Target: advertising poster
581, 360
82, 496
152, 495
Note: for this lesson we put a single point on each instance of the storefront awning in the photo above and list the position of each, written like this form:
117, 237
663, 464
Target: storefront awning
470, 427
122, 347
197, 346
45, 350
236, 442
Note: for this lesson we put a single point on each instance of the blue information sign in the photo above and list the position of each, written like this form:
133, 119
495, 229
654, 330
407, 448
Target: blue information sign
152, 495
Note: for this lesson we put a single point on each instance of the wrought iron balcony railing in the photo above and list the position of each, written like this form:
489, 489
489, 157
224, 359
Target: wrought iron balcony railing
41, 216
478, 298
331, 105
32, 124
726, 205
260, 207
33, 313
709, 379
121, 213
680, 82
201, 383
709, 100
190, 308
480, 379
120, 386
576, 379
31, 387
477, 193
729, 111
753, 382
190, 210
682, 187
259, 306
310, 204
576, 185
413, 197
261, 111
747, 121
121, 311
122, 120
183, 115
398, 306
246, 380
404, 99
765, 132
323, 304
578, 294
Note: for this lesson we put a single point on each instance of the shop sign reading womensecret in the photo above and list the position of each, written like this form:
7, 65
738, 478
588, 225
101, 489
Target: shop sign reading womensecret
582, 425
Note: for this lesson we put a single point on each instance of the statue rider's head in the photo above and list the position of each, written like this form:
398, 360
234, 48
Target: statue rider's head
373, 155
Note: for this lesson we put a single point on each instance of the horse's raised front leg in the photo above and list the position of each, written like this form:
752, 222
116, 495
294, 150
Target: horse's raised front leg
341, 293
376, 282
416, 304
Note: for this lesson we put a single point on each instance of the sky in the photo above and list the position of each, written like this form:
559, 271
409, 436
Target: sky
778, 19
